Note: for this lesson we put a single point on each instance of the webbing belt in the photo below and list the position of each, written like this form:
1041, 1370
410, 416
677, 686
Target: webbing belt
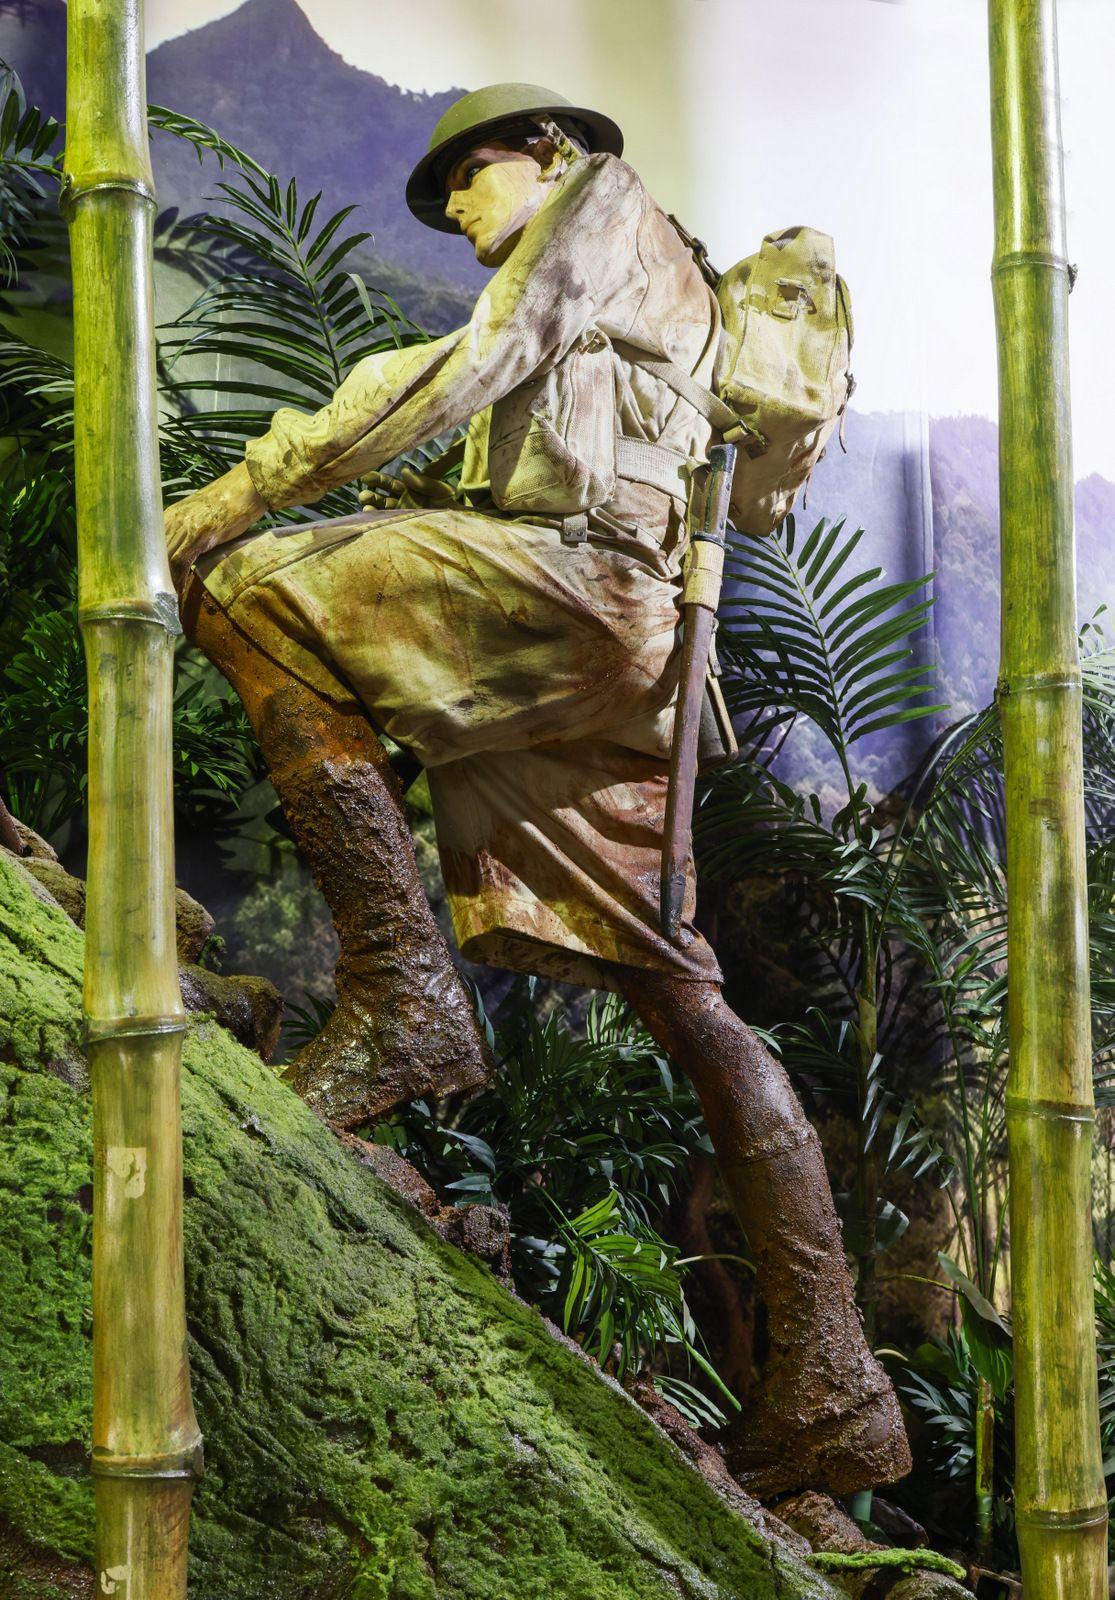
639, 461
656, 464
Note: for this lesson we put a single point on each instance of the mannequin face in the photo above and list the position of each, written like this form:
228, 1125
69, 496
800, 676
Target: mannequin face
493, 192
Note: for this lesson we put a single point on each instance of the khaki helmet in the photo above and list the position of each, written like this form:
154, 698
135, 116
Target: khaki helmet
484, 113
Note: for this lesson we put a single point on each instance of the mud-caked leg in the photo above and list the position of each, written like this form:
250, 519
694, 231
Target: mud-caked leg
404, 1026
826, 1414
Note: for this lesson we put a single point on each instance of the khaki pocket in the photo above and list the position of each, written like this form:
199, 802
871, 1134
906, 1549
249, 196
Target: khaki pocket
552, 442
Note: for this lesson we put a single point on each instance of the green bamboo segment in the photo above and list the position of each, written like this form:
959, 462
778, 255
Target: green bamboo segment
146, 1445
1059, 1486
985, 1471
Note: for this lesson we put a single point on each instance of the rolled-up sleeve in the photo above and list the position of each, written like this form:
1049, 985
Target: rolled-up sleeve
569, 261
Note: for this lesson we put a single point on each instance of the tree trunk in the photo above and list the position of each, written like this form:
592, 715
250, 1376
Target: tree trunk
1059, 1486
146, 1445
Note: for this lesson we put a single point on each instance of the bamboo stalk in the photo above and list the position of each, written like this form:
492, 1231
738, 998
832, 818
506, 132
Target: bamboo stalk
985, 1472
146, 1445
1059, 1487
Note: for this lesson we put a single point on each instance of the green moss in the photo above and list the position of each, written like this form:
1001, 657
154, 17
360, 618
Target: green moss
383, 1421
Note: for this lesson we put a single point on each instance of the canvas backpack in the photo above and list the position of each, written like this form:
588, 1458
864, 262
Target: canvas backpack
782, 381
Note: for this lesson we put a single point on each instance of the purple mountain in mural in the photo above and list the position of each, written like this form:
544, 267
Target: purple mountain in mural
950, 525
33, 41
264, 79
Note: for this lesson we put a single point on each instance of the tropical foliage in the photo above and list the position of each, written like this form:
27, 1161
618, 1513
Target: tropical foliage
901, 906
585, 1138
277, 319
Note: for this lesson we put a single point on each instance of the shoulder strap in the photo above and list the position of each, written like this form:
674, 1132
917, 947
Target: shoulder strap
710, 405
699, 249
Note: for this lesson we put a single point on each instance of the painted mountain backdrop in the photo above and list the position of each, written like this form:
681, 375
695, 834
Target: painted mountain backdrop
266, 81
262, 76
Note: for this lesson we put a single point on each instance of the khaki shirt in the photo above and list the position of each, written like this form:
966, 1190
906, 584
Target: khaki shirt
599, 258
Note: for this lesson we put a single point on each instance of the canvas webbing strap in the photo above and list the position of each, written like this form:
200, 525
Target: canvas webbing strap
710, 405
655, 464
683, 383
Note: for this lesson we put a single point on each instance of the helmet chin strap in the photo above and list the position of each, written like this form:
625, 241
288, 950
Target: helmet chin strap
560, 140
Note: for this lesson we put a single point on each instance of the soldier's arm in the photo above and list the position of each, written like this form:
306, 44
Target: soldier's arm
223, 510
567, 264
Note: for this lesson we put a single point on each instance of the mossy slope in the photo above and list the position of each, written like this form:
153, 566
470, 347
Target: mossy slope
383, 1421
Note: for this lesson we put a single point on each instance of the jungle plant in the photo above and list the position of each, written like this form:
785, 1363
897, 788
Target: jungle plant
962, 855
585, 1139
943, 1384
903, 904
278, 320
944, 1391
30, 171
805, 634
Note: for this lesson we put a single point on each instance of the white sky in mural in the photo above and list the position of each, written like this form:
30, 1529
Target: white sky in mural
866, 118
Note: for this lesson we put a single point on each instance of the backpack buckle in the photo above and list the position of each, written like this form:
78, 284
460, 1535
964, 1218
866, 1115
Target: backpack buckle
794, 297
574, 529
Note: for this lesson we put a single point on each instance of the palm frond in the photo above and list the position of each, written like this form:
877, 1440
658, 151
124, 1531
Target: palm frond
805, 633
203, 138
28, 171
281, 319
624, 1294
36, 400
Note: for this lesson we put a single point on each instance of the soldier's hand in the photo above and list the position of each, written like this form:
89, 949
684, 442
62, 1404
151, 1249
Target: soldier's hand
384, 491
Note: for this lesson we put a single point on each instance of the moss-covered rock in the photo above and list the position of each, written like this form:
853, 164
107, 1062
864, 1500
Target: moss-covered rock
383, 1420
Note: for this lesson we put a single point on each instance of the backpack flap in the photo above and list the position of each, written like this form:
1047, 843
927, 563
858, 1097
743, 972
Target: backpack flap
783, 367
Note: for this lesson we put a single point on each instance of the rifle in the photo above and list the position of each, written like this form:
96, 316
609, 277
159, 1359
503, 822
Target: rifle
707, 516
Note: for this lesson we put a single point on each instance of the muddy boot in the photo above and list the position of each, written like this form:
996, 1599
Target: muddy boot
825, 1414
404, 1026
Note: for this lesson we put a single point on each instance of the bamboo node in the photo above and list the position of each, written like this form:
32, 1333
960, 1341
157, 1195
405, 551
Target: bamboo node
1062, 1521
96, 1029
1033, 258
72, 189
161, 609
1035, 682
188, 1462
1050, 1110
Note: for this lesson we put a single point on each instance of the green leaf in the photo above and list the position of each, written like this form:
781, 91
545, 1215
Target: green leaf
971, 1293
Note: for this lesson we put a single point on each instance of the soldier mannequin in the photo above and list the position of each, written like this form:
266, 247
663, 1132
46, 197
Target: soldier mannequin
528, 658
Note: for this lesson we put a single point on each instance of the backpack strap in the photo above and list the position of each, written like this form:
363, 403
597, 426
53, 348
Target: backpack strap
699, 251
718, 412
710, 405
